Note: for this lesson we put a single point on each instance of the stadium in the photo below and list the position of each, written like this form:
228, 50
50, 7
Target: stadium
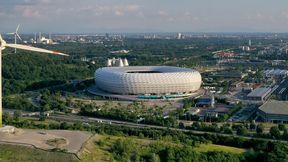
148, 81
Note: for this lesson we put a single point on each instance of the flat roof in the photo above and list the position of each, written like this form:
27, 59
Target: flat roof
259, 92
275, 107
275, 72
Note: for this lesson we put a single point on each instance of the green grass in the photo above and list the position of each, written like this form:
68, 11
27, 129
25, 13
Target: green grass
213, 147
92, 151
13, 153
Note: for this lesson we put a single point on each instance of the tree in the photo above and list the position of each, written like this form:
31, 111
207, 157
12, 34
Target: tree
46, 107
259, 129
121, 149
64, 125
42, 118
242, 131
252, 126
227, 130
181, 125
281, 127
17, 114
7, 117
275, 132
196, 125
285, 134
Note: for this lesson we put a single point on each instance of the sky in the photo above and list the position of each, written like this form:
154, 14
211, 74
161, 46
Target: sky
101, 16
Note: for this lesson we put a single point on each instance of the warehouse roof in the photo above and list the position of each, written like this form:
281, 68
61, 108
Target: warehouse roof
275, 107
259, 92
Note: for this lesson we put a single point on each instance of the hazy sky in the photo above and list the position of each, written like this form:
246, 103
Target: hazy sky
91, 16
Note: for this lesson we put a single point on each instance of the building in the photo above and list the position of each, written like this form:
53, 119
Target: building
228, 74
179, 36
193, 111
117, 62
275, 73
148, 80
281, 93
219, 111
274, 111
205, 101
260, 94
216, 112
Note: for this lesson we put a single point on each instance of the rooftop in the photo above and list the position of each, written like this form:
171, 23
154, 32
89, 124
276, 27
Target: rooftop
259, 92
147, 69
275, 72
275, 107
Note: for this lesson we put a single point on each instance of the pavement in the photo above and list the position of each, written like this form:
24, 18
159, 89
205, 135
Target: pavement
38, 138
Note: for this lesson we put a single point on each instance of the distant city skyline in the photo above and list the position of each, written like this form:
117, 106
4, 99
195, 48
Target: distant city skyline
100, 16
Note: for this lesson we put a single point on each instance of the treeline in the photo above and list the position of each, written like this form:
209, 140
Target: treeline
25, 71
125, 114
19, 102
124, 150
251, 129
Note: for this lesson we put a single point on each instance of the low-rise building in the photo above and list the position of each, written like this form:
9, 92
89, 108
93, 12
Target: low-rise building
275, 73
281, 92
260, 94
274, 111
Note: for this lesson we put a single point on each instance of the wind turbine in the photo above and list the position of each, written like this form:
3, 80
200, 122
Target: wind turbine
3, 45
16, 35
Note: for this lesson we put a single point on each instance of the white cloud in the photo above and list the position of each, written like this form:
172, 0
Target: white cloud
284, 14
162, 13
119, 13
27, 11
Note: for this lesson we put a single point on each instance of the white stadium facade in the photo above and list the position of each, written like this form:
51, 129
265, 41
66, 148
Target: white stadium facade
147, 80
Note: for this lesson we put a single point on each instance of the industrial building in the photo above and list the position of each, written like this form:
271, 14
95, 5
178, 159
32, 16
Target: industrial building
281, 93
274, 111
260, 94
205, 101
275, 73
148, 80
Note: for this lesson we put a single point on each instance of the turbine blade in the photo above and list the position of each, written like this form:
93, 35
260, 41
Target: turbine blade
17, 28
35, 49
18, 36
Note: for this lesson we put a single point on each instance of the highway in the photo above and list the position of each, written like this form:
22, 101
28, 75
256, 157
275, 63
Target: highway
84, 119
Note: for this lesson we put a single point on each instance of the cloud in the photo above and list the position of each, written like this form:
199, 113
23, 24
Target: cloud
162, 13
122, 10
119, 13
27, 11
260, 17
284, 14
110, 10
132, 8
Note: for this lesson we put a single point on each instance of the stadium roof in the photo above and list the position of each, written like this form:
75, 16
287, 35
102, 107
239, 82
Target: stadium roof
148, 69
275, 107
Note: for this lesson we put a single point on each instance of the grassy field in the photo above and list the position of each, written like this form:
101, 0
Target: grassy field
213, 147
97, 148
92, 152
13, 153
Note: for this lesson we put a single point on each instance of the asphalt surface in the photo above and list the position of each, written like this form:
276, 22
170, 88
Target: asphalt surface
88, 120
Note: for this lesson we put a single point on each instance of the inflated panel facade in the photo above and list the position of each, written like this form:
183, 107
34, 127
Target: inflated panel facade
147, 80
